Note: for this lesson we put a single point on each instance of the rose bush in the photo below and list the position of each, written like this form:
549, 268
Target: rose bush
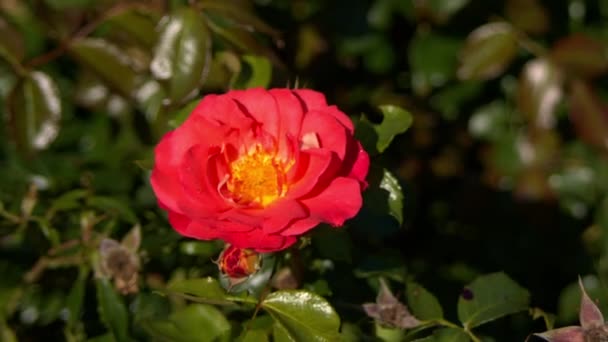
259, 168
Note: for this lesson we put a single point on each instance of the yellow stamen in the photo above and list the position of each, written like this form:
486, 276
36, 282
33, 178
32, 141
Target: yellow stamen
256, 177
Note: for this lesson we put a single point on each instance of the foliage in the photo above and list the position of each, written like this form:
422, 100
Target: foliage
486, 122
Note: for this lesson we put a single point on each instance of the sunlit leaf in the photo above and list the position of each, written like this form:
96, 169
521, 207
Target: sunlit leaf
395, 121
488, 51
490, 297
34, 112
304, 315
395, 195
196, 322
112, 310
539, 93
183, 53
422, 303
108, 61
203, 288
581, 55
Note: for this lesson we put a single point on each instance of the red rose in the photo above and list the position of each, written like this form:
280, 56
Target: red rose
258, 168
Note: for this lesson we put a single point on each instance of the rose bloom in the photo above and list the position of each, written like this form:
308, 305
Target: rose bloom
258, 168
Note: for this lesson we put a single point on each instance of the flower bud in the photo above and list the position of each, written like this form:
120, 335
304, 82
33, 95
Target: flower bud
238, 264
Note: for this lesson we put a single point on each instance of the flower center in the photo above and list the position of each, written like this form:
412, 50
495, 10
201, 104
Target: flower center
256, 177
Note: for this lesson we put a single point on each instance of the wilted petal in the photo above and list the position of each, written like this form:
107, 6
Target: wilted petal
567, 334
590, 314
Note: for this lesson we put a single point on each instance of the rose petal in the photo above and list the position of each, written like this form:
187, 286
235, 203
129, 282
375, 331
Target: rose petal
279, 215
260, 105
590, 314
259, 241
291, 112
330, 132
312, 164
314, 100
221, 110
179, 222
340, 201
300, 227
201, 198
166, 188
356, 162
567, 334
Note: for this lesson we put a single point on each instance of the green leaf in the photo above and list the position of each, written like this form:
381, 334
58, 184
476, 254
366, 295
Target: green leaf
254, 335
488, 51
377, 137
304, 315
196, 322
396, 121
138, 24
34, 112
280, 333
443, 9
204, 288
182, 54
490, 297
113, 206
6, 333
244, 41
73, 303
108, 61
257, 329
67, 201
432, 58
112, 310
238, 14
422, 303
255, 72
446, 335
395, 195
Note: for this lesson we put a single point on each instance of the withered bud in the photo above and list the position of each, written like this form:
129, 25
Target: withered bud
120, 263
389, 311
